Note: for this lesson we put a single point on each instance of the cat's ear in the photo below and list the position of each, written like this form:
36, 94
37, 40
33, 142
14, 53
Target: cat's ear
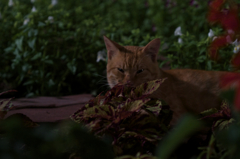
112, 47
152, 49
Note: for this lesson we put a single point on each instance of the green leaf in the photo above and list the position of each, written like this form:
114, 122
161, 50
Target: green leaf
102, 111
201, 58
148, 88
184, 129
72, 67
36, 56
133, 105
32, 32
41, 24
28, 83
31, 94
51, 83
48, 61
156, 108
31, 43
19, 43
209, 112
223, 123
209, 65
26, 67
9, 49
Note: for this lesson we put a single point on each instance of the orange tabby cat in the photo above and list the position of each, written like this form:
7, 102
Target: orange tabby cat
185, 90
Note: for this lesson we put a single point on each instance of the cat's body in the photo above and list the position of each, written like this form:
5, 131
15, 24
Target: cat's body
199, 92
185, 90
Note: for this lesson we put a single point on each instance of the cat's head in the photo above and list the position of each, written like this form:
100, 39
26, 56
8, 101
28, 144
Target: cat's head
131, 64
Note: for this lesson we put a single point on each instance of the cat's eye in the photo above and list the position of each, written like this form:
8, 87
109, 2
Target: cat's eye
139, 71
121, 70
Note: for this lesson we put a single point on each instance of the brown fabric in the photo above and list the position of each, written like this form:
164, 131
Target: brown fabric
49, 109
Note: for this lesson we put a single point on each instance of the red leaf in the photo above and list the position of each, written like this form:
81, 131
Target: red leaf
230, 21
220, 41
214, 16
236, 61
216, 4
223, 113
229, 79
213, 53
237, 97
215, 45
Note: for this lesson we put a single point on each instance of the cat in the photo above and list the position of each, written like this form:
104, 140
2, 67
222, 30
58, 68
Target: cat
184, 90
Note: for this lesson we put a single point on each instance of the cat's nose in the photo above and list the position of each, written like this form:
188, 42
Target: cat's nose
127, 77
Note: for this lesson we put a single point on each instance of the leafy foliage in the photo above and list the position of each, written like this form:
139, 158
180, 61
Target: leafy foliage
67, 140
186, 128
133, 121
134, 124
137, 124
53, 50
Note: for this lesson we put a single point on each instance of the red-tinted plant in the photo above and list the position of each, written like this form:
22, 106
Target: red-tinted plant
134, 121
236, 61
229, 21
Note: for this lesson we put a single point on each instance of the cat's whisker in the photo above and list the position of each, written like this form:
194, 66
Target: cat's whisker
104, 86
100, 75
101, 81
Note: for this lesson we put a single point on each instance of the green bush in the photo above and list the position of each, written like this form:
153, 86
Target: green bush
55, 52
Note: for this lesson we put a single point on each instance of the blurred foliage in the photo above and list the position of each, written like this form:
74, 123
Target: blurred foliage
53, 50
60, 141
124, 124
